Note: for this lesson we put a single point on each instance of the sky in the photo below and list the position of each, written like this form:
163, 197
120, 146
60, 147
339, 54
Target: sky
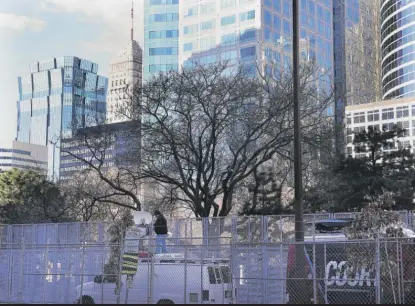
36, 30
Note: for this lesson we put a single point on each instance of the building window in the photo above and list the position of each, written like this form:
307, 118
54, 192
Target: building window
404, 144
359, 129
388, 126
374, 127
247, 15
207, 25
405, 126
248, 52
228, 20
349, 151
387, 114
188, 46
373, 116
227, 3
359, 117
402, 112
348, 119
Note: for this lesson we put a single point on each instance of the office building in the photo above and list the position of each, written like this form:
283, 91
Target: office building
24, 156
57, 97
382, 115
254, 33
116, 144
398, 48
161, 36
357, 77
125, 75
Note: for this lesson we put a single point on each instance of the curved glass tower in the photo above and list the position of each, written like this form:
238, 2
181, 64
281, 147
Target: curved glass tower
398, 48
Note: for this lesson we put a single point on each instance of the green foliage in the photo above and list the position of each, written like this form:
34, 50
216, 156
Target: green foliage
264, 195
29, 197
381, 170
117, 231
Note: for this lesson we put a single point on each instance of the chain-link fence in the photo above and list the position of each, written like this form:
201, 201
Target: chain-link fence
217, 272
239, 228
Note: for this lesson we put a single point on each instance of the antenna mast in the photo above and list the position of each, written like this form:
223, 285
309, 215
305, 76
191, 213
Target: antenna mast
132, 20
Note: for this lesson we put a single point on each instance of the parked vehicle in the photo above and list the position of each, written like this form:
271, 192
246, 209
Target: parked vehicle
163, 280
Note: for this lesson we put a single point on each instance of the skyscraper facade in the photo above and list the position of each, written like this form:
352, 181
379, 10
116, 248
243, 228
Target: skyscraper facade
161, 36
57, 97
125, 75
254, 33
398, 48
356, 57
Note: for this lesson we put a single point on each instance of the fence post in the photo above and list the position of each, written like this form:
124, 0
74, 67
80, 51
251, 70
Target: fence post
21, 272
234, 229
377, 282
314, 273
401, 267
325, 277
185, 274
118, 283
265, 221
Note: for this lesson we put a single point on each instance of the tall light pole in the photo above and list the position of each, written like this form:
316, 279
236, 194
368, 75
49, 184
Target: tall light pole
298, 175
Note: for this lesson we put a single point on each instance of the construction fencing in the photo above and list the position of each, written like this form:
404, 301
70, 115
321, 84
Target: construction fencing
373, 272
274, 229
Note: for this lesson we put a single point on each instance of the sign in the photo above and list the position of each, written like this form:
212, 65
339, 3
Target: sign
129, 263
129, 281
119, 67
338, 281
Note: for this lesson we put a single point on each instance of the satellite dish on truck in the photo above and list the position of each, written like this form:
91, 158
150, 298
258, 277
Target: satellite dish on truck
142, 216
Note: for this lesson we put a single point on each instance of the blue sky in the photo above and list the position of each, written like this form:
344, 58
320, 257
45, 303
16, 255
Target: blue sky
35, 30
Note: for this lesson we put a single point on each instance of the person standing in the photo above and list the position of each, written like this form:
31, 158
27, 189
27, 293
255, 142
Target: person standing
161, 230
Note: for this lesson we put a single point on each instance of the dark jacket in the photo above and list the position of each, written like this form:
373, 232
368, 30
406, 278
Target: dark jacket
160, 226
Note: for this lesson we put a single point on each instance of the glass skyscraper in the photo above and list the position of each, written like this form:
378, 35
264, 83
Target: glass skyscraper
398, 48
161, 36
254, 33
58, 96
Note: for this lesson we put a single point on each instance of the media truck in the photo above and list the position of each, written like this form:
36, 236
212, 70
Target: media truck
172, 278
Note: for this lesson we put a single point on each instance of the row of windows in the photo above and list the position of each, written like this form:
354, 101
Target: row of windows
17, 166
387, 114
164, 17
226, 40
163, 51
397, 21
164, 2
22, 152
33, 161
163, 68
163, 34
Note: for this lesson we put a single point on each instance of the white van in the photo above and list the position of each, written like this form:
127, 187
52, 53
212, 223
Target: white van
161, 280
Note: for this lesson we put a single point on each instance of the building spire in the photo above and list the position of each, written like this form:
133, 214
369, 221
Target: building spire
132, 20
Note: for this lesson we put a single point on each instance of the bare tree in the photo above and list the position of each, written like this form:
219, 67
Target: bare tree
86, 195
102, 150
204, 132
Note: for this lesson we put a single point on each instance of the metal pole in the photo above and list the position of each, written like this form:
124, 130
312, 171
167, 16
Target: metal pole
298, 184
377, 275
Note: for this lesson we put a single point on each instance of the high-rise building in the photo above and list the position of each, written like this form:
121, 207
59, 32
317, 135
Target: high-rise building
161, 36
398, 48
115, 145
254, 33
57, 97
382, 115
24, 156
356, 56
125, 75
